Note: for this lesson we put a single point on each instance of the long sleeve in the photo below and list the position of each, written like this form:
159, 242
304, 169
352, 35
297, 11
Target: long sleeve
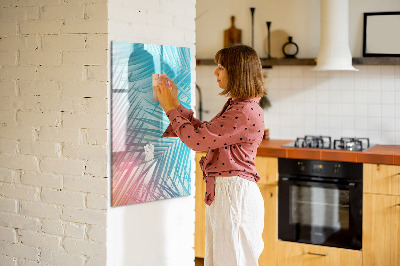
222, 131
188, 114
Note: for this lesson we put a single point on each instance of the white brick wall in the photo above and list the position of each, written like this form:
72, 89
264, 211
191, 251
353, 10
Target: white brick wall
53, 121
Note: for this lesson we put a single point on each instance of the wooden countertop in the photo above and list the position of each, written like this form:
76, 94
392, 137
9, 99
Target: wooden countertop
379, 154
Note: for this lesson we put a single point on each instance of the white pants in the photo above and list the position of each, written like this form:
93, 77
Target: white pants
234, 223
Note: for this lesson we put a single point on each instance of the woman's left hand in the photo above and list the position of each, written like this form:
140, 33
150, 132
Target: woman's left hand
164, 94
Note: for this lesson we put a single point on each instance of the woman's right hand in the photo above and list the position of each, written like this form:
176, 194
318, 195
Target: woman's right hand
174, 92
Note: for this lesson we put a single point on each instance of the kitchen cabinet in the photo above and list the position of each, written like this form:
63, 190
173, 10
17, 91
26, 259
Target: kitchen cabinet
298, 254
381, 215
381, 179
200, 207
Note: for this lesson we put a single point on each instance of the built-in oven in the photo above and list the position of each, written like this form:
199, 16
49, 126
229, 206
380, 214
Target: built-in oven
320, 202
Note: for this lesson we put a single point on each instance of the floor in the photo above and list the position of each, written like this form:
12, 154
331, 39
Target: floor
198, 261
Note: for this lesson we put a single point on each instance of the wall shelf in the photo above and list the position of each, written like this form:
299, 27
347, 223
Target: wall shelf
312, 61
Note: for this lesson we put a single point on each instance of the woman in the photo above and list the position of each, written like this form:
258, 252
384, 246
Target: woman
235, 207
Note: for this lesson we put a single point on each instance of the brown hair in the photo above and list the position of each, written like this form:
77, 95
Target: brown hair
245, 78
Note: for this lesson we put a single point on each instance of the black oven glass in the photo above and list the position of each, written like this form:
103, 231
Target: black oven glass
322, 207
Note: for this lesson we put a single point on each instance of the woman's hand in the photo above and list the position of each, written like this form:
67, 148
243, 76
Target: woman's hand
164, 94
174, 93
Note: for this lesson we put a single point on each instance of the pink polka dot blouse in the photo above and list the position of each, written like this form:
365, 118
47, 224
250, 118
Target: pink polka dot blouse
231, 139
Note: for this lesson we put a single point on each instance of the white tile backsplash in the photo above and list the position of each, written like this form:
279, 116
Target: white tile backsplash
364, 103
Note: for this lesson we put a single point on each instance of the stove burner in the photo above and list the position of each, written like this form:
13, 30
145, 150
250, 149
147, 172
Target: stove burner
351, 144
308, 141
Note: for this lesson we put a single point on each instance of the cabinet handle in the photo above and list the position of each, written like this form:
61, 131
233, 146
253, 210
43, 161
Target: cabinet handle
318, 254
398, 204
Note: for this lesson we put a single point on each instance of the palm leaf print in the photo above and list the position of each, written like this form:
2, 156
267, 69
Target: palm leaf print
146, 167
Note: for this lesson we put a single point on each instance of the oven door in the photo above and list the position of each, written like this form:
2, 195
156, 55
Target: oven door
321, 212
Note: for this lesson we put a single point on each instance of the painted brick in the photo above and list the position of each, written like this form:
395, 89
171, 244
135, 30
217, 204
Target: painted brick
94, 201
39, 87
98, 73
7, 175
8, 234
8, 205
98, 42
93, 1
85, 58
95, 105
19, 221
55, 103
40, 27
40, 148
87, 88
97, 11
19, 251
7, 145
85, 152
62, 12
26, 103
63, 197
75, 230
38, 209
39, 58
84, 216
67, 135
97, 234
84, 26
35, 239
39, 118
60, 73
86, 184
97, 260
60, 258
53, 227
96, 136
18, 13
8, 58
7, 88
62, 166
98, 169
41, 179
17, 191
8, 261
33, 2
7, 117
18, 72
18, 161
64, 42
85, 121
84, 247
19, 43
25, 262
16, 132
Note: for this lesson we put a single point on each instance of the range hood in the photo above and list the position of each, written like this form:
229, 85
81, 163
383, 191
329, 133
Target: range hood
334, 51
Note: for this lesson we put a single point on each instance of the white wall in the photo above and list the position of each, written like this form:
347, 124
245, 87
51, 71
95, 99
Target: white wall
53, 109
299, 18
338, 104
160, 232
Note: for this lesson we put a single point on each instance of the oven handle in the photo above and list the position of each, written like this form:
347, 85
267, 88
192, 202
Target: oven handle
297, 181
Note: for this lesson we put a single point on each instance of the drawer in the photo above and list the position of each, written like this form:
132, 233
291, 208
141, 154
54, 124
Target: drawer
381, 179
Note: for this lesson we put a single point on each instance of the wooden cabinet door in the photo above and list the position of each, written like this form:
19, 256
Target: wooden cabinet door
381, 230
270, 233
200, 207
298, 254
381, 179
267, 168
